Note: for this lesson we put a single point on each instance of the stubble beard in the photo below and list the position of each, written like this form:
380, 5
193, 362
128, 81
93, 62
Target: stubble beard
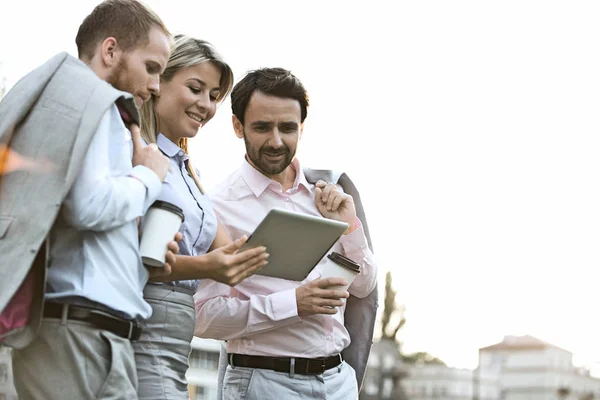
255, 155
119, 78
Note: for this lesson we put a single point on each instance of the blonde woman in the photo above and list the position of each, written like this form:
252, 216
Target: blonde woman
195, 81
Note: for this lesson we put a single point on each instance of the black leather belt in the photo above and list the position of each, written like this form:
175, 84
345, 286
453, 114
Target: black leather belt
100, 319
304, 366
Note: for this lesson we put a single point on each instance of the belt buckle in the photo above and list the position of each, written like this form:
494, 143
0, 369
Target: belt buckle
131, 326
323, 369
135, 330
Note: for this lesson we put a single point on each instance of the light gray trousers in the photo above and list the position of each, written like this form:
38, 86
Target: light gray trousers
337, 383
74, 360
162, 352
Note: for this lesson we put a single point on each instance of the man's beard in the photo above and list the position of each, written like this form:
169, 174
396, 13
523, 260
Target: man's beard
119, 78
266, 167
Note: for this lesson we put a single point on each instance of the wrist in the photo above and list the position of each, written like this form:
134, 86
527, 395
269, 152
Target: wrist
196, 266
352, 226
209, 260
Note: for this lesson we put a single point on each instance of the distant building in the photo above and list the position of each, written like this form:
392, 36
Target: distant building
385, 371
389, 378
7, 390
439, 382
531, 369
204, 364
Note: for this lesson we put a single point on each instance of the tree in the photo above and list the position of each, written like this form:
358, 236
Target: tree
392, 321
389, 372
390, 310
563, 392
421, 357
389, 331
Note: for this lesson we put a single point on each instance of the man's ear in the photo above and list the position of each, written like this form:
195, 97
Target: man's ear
238, 127
110, 52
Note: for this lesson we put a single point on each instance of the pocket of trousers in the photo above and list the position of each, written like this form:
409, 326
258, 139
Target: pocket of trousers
121, 380
236, 384
106, 340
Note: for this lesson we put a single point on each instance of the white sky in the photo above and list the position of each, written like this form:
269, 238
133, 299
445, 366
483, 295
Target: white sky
470, 127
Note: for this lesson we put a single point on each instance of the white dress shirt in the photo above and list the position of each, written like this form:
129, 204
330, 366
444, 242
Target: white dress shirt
260, 316
94, 247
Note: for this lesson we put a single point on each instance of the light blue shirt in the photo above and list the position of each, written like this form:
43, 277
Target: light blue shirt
199, 227
94, 245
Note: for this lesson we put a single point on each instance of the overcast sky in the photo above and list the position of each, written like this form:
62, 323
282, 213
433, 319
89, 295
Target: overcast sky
470, 127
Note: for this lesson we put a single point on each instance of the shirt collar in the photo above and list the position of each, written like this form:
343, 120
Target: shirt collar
300, 177
257, 182
170, 149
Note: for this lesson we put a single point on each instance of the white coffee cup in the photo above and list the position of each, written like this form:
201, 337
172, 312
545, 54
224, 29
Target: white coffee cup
161, 223
340, 267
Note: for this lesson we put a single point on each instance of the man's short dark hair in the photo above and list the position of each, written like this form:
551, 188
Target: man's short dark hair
272, 81
128, 21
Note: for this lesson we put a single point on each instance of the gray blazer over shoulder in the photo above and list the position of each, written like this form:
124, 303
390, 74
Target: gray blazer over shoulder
50, 115
360, 314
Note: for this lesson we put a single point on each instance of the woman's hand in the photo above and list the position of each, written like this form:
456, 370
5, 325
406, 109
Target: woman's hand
229, 266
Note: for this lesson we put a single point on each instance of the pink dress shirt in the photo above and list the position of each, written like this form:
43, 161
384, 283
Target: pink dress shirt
259, 316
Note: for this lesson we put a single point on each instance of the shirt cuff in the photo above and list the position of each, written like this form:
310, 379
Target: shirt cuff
355, 240
284, 305
148, 178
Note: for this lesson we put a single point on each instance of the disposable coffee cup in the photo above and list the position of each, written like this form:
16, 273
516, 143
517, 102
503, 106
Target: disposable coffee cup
161, 223
341, 267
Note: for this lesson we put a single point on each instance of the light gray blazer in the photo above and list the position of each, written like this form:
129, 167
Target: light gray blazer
360, 314
51, 114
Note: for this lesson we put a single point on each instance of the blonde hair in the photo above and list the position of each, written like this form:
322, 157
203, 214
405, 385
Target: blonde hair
187, 52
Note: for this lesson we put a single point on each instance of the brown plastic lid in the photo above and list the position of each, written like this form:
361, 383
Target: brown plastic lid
165, 205
344, 261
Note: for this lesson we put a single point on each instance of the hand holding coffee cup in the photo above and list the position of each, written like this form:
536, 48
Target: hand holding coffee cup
161, 224
341, 267
324, 295
320, 296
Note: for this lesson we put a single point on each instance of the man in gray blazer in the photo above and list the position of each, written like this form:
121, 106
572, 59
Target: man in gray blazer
71, 277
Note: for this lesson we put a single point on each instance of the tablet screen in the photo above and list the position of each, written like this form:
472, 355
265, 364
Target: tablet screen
296, 242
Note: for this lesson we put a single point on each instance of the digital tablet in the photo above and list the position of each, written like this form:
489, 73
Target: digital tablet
295, 242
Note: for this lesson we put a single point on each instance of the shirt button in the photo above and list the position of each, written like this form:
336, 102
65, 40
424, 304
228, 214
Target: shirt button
328, 337
180, 153
287, 199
